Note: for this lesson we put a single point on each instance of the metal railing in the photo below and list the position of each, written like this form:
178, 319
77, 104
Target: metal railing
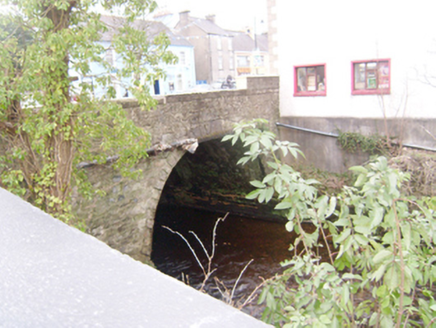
335, 135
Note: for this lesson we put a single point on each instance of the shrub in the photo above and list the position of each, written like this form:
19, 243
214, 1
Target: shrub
380, 263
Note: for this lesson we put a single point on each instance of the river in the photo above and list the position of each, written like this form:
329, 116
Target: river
238, 240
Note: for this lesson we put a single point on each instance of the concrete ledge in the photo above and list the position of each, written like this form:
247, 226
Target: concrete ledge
53, 275
325, 153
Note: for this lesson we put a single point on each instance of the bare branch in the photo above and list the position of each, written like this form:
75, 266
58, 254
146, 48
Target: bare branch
189, 245
239, 277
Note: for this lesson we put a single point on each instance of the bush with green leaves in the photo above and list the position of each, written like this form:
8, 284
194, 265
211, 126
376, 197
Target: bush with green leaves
379, 266
46, 127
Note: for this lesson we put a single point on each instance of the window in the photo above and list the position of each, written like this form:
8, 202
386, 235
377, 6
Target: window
220, 63
179, 82
310, 80
371, 77
231, 63
182, 58
109, 56
243, 61
258, 60
218, 43
243, 65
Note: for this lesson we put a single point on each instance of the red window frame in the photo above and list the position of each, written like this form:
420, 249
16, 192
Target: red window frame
382, 77
305, 93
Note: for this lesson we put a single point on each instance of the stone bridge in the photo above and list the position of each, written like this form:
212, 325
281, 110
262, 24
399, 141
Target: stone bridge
124, 217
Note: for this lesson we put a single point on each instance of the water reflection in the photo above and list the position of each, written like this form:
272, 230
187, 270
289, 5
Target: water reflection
238, 240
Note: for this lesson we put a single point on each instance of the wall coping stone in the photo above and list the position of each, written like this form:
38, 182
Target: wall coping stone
56, 276
255, 85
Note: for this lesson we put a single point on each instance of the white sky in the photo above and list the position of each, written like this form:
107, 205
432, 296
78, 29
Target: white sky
230, 14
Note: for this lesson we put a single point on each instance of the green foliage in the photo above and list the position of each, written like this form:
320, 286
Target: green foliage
44, 133
329, 182
373, 144
379, 262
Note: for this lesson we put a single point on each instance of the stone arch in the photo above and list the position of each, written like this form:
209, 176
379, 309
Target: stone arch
123, 217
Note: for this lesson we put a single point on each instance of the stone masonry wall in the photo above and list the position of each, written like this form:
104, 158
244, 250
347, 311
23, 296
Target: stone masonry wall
208, 115
124, 217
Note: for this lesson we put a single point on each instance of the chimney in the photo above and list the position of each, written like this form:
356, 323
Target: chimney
249, 32
184, 18
211, 18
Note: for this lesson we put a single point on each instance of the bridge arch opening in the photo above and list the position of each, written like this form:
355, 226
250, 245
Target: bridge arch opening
201, 188
211, 180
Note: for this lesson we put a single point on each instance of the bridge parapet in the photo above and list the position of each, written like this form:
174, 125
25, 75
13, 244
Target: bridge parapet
208, 114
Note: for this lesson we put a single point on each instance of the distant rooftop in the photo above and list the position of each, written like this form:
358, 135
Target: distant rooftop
153, 28
242, 41
206, 24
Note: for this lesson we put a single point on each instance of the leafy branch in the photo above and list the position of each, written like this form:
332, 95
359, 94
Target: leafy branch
380, 243
49, 123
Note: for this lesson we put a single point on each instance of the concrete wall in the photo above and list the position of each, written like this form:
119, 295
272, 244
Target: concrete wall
124, 217
337, 32
56, 276
324, 152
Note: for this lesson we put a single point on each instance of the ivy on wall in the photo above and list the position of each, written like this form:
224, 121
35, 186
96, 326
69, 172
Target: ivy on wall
374, 144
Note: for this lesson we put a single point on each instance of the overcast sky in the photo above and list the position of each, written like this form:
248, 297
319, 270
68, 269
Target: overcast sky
230, 14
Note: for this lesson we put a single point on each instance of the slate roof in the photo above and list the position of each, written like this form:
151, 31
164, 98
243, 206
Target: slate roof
206, 25
153, 29
243, 42
177, 40
262, 41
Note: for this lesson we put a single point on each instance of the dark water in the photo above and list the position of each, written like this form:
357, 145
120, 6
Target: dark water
238, 240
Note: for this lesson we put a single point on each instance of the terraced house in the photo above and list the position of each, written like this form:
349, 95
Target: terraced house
179, 77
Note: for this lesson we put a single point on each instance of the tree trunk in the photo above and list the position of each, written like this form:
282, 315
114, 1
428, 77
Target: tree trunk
60, 142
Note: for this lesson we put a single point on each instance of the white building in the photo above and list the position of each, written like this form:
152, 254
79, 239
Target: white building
179, 77
354, 66
342, 58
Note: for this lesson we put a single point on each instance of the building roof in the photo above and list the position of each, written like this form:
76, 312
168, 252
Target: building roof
207, 25
178, 40
152, 28
262, 41
168, 18
244, 42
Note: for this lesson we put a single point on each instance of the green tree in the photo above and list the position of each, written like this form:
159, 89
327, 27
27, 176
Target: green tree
44, 133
